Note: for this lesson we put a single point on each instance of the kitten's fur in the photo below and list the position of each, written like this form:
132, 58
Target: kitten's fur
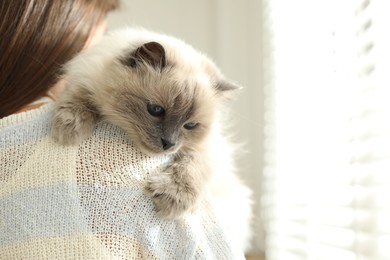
118, 78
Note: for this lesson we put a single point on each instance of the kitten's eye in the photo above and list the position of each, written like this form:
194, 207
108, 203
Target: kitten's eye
155, 110
190, 126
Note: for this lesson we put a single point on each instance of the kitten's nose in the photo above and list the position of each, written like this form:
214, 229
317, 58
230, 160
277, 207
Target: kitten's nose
166, 144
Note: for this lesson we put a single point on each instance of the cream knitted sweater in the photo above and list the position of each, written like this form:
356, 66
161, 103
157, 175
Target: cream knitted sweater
87, 201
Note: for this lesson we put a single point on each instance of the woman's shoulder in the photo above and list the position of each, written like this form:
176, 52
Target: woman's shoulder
93, 190
109, 150
26, 138
26, 118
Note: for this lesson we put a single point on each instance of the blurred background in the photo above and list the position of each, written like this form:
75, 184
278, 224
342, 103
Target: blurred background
313, 116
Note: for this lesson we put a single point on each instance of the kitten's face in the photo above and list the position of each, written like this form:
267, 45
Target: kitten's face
165, 121
164, 102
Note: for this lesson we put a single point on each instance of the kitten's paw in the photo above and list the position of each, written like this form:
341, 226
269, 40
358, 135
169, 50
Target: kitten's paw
171, 196
72, 124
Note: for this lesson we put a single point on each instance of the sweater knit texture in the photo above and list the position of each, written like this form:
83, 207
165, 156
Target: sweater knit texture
88, 201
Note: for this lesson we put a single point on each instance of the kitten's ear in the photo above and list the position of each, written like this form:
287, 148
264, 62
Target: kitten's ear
226, 88
151, 53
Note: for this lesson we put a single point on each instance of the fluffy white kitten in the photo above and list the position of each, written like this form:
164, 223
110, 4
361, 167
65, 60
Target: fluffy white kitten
166, 96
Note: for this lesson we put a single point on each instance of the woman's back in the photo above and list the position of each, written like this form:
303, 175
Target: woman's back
87, 201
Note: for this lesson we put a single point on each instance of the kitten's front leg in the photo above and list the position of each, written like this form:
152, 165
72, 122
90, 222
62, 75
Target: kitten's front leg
74, 118
178, 189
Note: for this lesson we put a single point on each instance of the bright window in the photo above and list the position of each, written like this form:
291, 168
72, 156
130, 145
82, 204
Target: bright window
326, 186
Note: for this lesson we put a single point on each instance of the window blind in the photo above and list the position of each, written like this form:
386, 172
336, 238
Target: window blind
326, 183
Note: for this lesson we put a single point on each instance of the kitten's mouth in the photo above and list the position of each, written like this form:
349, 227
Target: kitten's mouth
153, 149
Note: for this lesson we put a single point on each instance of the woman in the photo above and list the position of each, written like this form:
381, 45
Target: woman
76, 202
37, 37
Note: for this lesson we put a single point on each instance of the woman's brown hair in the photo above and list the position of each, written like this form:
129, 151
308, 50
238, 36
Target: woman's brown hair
36, 38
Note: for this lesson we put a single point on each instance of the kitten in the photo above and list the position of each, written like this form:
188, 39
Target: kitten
163, 93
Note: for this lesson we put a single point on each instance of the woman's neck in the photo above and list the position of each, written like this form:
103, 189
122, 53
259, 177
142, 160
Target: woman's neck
53, 94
